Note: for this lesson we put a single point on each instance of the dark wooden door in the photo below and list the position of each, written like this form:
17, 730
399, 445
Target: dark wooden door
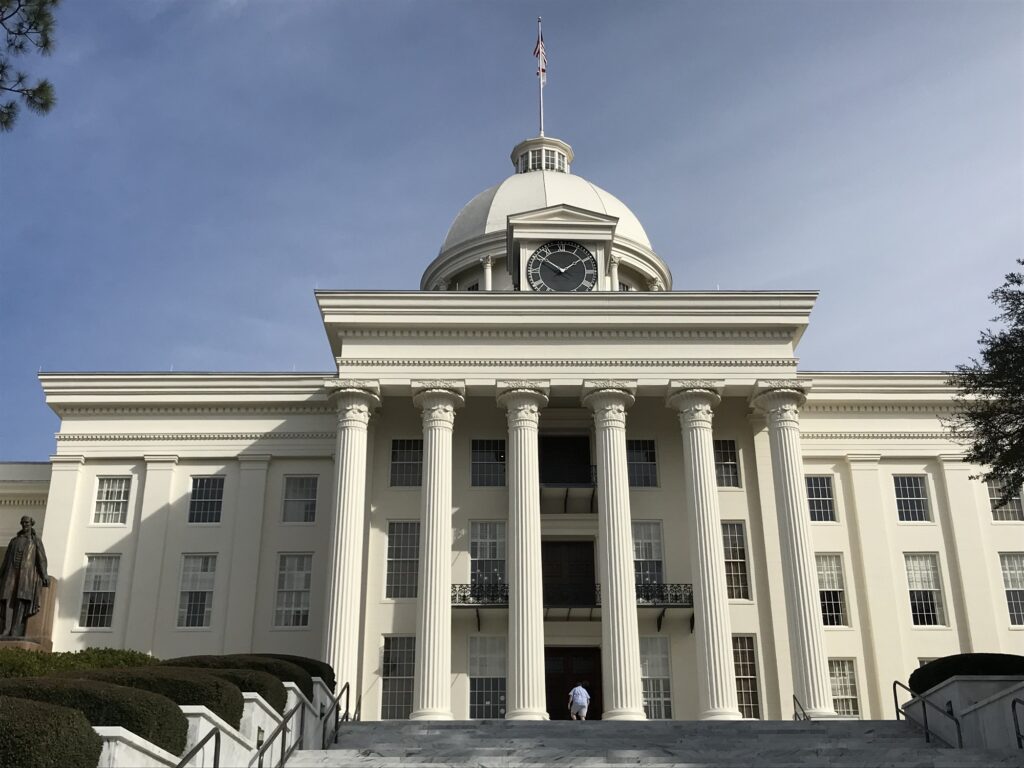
564, 459
568, 572
563, 668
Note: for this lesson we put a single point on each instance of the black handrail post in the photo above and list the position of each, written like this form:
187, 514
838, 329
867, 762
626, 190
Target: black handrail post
1016, 722
213, 734
924, 713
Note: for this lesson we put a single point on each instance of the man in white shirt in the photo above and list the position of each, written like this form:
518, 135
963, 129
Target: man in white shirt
579, 700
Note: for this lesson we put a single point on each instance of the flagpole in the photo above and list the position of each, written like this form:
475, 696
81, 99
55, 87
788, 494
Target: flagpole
540, 79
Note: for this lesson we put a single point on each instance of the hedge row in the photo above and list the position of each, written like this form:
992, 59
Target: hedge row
182, 686
149, 715
315, 667
931, 674
252, 681
18, 662
285, 671
34, 734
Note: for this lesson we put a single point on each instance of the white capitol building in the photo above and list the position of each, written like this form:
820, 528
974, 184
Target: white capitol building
545, 466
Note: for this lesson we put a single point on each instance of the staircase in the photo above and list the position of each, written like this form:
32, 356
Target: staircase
771, 744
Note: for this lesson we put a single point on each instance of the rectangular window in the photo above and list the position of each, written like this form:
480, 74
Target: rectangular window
397, 677
487, 552
204, 506
1013, 581
195, 604
406, 463
737, 581
648, 555
294, 582
99, 591
535, 160
488, 463
641, 464
549, 159
561, 161
744, 658
625, 286
403, 558
926, 606
727, 464
911, 498
1011, 510
656, 676
300, 499
112, 500
487, 676
473, 287
820, 499
843, 678
832, 590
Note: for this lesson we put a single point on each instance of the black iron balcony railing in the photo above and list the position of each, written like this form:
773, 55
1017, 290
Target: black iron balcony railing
656, 595
578, 476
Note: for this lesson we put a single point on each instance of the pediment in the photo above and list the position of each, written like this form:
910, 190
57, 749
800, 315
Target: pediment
562, 214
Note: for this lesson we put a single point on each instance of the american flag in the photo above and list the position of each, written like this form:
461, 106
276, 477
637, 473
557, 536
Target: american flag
542, 59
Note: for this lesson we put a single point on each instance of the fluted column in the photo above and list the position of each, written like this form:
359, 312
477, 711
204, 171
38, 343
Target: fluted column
527, 698
432, 676
488, 263
345, 569
620, 637
716, 676
803, 608
613, 273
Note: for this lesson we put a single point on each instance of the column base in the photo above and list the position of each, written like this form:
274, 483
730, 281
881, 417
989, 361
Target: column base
720, 714
822, 714
431, 714
527, 714
623, 714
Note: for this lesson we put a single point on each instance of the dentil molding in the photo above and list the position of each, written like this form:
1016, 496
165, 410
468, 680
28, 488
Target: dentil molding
534, 362
189, 436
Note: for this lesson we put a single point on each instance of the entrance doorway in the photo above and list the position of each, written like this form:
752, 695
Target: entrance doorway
564, 666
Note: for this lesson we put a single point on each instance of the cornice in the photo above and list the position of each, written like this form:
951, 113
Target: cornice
190, 436
719, 334
937, 408
22, 501
138, 410
505, 362
876, 436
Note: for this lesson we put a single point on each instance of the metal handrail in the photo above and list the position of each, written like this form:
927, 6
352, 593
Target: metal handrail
799, 713
1016, 722
215, 735
924, 712
335, 709
282, 728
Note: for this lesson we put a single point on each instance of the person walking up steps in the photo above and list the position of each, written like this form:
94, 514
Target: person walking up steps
579, 701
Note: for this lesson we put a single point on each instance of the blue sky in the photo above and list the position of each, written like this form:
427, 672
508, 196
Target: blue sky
210, 163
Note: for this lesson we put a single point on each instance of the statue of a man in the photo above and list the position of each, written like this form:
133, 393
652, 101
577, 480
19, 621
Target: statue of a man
22, 578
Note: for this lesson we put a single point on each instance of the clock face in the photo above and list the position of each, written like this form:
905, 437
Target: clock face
562, 265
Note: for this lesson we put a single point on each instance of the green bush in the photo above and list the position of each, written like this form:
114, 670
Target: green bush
315, 667
148, 715
17, 662
934, 672
284, 671
35, 734
251, 680
182, 686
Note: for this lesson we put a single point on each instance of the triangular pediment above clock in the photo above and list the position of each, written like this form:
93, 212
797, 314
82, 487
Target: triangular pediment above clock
562, 214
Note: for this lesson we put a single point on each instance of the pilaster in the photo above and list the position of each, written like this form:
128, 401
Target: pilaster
715, 669
620, 637
245, 552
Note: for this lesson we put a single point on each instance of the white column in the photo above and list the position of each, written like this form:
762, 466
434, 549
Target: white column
620, 637
345, 569
803, 608
527, 698
716, 676
488, 262
433, 672
613, 273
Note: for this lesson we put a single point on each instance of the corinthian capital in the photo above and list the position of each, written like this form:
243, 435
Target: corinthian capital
609, 407
438, 407
522, 406
695, 405
781, 406
355, 407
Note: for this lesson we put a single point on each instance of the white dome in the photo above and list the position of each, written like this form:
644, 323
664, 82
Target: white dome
488, 211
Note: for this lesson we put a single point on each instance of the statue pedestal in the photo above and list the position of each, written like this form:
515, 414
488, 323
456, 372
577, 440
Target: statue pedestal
39, 630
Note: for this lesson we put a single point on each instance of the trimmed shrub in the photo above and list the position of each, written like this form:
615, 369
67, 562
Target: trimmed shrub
18, 662
251, 680
149, 715
934, 672
35, 734
182, 686
315, 667
284, 671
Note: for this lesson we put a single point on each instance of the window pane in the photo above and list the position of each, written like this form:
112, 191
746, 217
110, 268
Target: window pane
488, 462
99, 590
911, 498
397, 678
727, 467
112, 500
403, 558
1013, 580
204, 505
831, 590
294, 581
487, 676
656, 677
641, 464
820, 500
406, 463
487, 552
300, 499
745, 661
195, 602
647, 554
1011, 510
926, 606
736, 579
844, 687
